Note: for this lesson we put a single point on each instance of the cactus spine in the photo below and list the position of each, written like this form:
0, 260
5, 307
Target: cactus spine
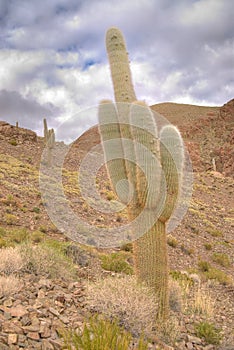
155, 176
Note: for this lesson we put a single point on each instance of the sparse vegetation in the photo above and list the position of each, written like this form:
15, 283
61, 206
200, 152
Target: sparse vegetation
10, 219
132, 304
9, 285
209, 332
100, 334
172, 241
221, 259
208, 246
116, 262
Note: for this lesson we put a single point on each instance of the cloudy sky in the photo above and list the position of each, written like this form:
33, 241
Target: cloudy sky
53, 62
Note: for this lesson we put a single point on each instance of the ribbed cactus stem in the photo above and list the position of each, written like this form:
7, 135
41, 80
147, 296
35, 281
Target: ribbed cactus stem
151, 264
119, 64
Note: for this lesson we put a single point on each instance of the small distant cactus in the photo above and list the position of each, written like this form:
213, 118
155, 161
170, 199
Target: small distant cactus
49, 138
148, 158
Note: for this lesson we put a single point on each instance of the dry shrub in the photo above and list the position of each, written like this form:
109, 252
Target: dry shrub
203, 302
132, 304
11, 261
169, 330
9, 285
46, 261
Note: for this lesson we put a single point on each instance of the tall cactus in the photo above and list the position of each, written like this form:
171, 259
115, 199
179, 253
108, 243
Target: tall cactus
49, 138
149, 161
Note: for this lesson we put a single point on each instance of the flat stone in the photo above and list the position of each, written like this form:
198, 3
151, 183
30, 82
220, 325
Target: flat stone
8, 302
189, 346
210, 347
46, 345
12, 327
54, 311
193, 339
18, 311
33, 335
31, 328
45, 331
12, 339
3, 346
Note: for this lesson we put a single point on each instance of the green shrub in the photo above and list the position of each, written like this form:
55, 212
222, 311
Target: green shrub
172, 241
221, 259
209, 332
219, 276
36, 210
13, 142
203, 265
100, 334
3, 242
116, 262
43, 229
208, 246
46, 261
37, 237
127, 247
18, 235
214, 232
10, 219
182, 278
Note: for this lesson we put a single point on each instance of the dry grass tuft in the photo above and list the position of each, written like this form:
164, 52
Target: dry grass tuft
203, 303
132, 304
11, 261
9, 285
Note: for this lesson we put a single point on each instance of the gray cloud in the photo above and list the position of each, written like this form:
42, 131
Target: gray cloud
29, 113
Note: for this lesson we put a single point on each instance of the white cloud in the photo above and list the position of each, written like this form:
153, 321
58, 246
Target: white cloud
53, 51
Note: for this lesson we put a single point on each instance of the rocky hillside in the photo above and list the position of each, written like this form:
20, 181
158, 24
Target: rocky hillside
49, 298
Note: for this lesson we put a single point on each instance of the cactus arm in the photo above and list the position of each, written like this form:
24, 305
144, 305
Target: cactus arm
172, 158
109, 130
146, 142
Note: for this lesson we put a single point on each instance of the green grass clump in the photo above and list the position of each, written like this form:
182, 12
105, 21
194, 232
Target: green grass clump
100, 334
3, 242
36, 210
13, 142
221, 259
47, 261
203, 265
208, 246
127, 247
116, 262
209, 332
182, 278
172, 241
218, 275
37, 237
10, 219
18, 235
214, 232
